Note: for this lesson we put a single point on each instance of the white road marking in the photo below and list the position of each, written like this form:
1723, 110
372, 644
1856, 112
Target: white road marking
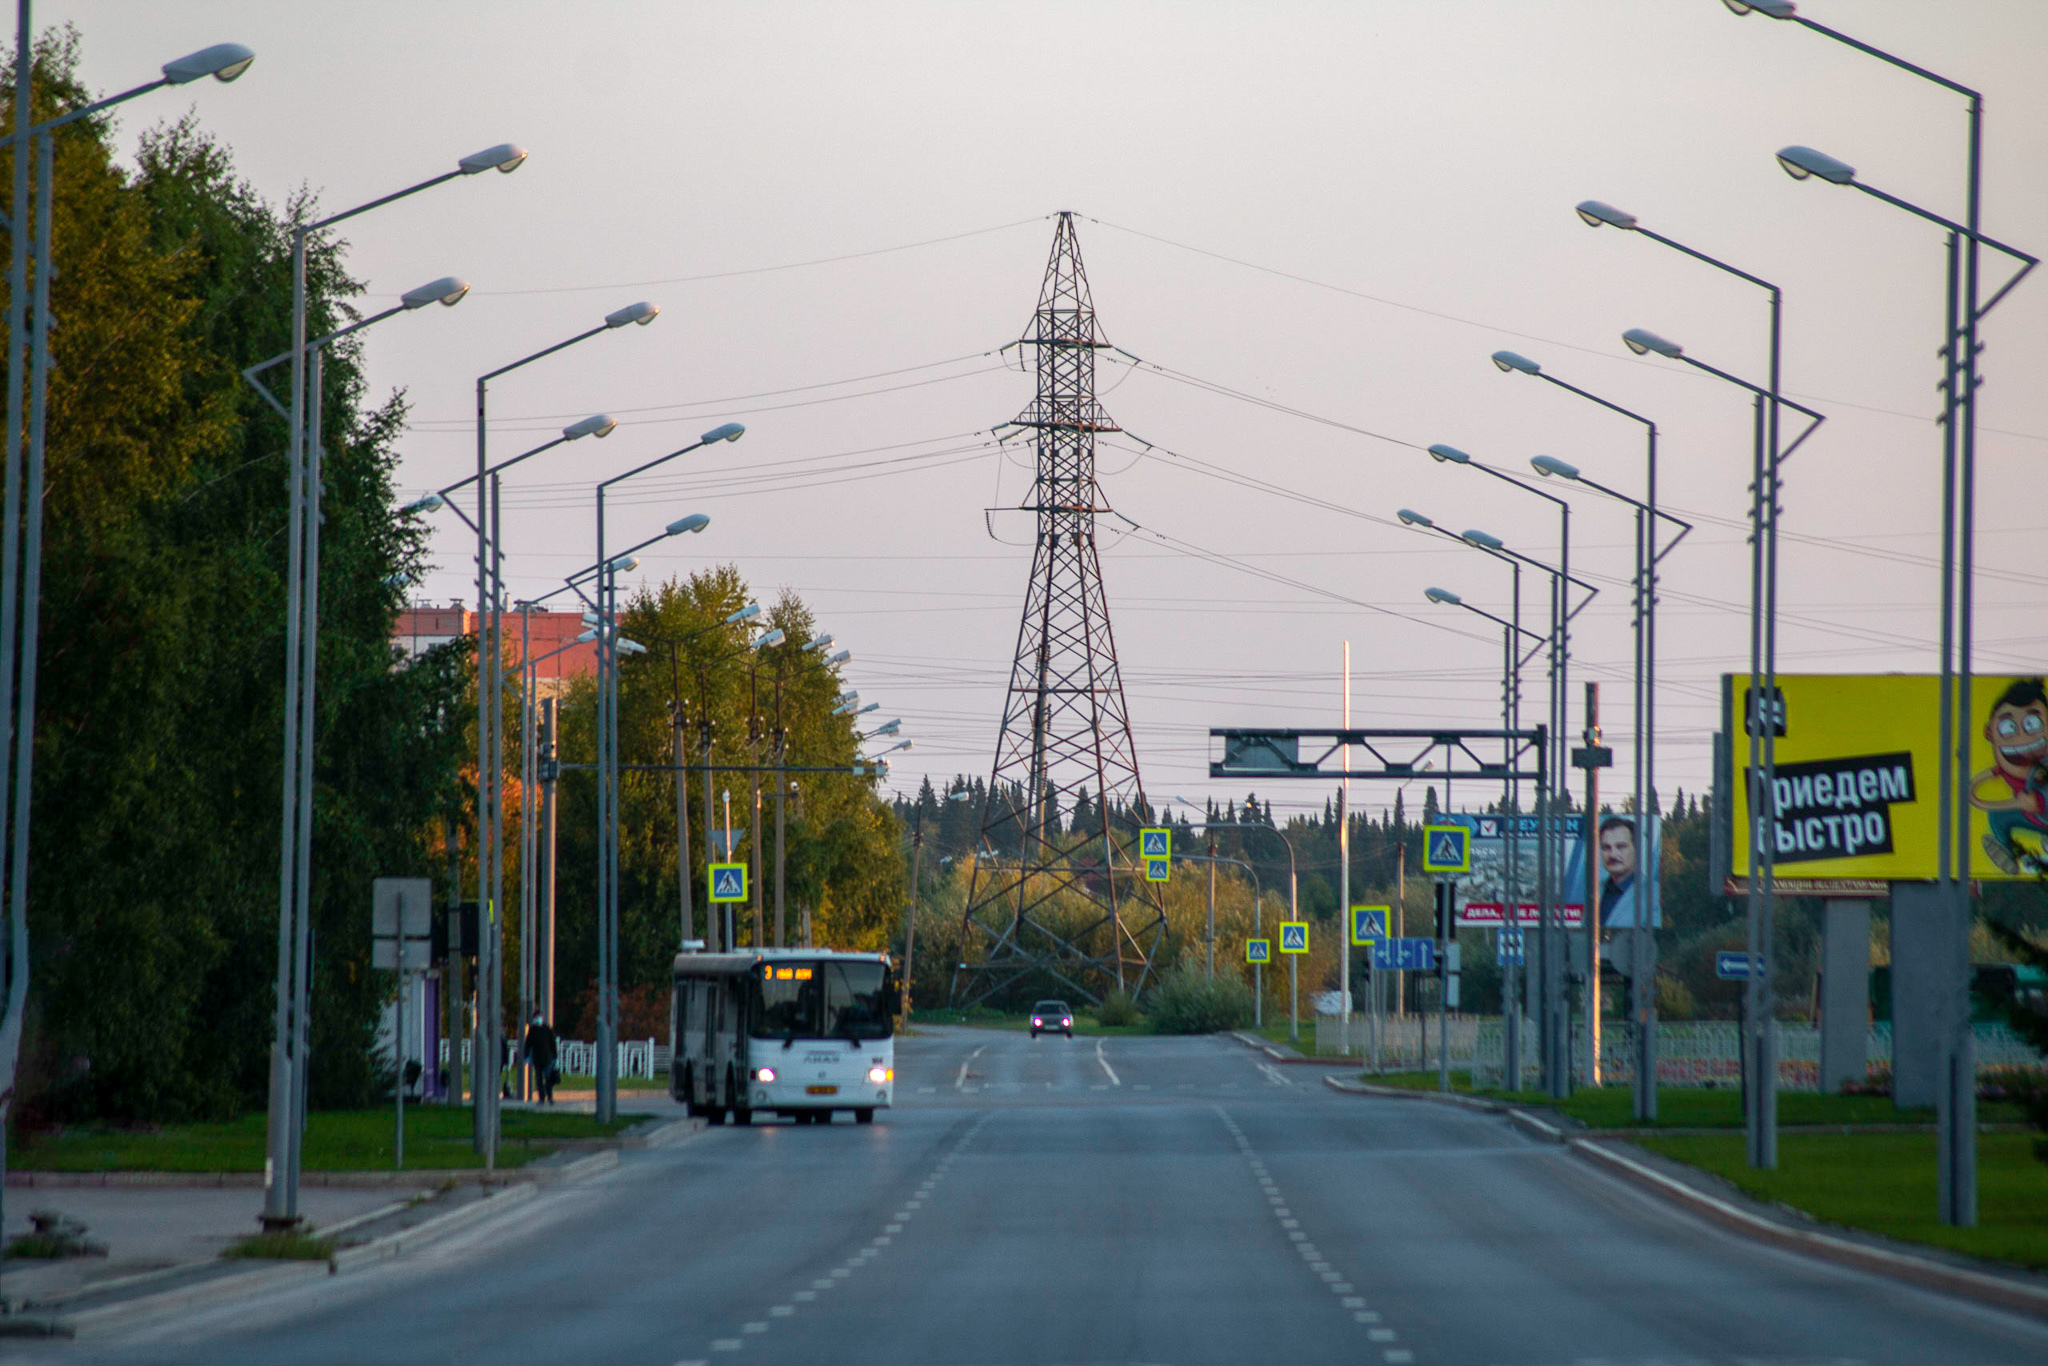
1399, 1358
1354, 1302
1381, 1334
926, 1090
960, 1082
806, 1296
1366, 1316
756, 1327
1274, 1074
727, 1345
1108, 1071
781, 1311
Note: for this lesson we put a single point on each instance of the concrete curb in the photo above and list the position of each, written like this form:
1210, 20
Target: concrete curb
1288, 1056
1983, 1287
440, 1226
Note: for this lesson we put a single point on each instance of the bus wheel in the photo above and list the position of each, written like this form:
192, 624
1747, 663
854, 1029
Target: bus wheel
864, 1115
742, 1115
714, 1114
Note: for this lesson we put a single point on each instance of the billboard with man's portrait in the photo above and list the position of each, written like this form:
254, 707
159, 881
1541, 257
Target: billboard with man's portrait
1857, 760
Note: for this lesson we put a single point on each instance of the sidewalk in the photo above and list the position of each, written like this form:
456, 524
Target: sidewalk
147, 1228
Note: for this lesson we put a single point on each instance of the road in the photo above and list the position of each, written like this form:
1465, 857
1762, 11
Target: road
1127, 1200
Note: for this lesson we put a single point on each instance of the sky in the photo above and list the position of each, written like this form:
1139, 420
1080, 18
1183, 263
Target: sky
1312, 221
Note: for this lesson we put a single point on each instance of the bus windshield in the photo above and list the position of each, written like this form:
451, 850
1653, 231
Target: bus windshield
821, 1000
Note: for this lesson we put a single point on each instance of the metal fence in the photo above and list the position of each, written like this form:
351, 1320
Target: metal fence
1689, 1052
637, 1057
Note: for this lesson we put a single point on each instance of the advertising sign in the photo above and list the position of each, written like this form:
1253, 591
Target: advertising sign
1858, 772
1483, 892
1629, 873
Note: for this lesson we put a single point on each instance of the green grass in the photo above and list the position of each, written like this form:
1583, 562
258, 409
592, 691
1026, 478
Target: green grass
1885, 1183
436, 1137
576, 1081
286, 1247
1611, 1107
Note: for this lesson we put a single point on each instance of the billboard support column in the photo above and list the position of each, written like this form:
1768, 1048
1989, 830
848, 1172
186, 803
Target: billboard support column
1844, 993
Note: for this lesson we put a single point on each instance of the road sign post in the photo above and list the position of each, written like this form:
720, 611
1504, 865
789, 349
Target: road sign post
1294, 943
1368, 927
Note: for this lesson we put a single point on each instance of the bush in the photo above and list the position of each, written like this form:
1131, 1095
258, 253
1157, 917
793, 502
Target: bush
1118, 1009
1187, 1001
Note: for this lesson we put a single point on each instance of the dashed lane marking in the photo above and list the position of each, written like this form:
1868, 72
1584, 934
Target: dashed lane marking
960, 1082
1107, 1070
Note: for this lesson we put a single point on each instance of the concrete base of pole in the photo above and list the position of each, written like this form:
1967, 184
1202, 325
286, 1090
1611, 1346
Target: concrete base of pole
1930, 987
1844, 994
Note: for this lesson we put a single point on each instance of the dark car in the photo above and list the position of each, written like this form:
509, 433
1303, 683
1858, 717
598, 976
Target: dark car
1049, 1016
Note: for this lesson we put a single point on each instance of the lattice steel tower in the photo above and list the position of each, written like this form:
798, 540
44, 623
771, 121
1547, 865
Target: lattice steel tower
1050, 905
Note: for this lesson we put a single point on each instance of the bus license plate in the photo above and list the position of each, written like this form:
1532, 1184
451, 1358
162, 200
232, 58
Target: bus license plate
821, 1090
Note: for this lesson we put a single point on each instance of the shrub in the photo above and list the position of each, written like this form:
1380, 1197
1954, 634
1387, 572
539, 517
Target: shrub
1118, 1009
1188, 1001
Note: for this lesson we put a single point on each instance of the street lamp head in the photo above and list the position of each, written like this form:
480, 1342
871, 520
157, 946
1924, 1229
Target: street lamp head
889, 727
1443, 595
624, 564
223, 61
1505, 361
642, 313
1480, 539
872, 706
1641, 341
591, 619
1450, 453
840, 658
631, 647
1801, 162
597, 424
1550, 464
448, 291
818, 643
696, 521
433, 502
1413, 518
1593, 213
587, 636
1770, 9
774, 637
506, 157
747, 613
731, 431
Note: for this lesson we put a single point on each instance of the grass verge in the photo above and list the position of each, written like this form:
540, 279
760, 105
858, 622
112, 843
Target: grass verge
283, 1247
1680, 1107
1885, 1183
437, 1137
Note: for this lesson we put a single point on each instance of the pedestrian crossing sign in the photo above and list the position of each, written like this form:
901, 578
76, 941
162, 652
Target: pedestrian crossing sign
1368, 925
728, 882
1294, 936
1156, 843
1258, 950
1446, 849
1158, 869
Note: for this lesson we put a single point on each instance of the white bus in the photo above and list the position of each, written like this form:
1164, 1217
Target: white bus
799, 1032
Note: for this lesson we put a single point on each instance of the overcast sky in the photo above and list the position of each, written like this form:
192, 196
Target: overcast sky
1339, 209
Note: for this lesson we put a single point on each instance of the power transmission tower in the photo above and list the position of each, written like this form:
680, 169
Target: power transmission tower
1051, 906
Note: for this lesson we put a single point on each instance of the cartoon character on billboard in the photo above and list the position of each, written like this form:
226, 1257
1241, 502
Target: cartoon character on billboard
2018, 815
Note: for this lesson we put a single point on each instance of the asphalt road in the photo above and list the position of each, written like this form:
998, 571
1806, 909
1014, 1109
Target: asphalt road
1128, 1200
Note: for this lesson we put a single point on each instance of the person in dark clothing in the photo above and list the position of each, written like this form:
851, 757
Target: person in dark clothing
539, 1048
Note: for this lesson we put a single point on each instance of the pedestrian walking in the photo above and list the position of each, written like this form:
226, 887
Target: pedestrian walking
539, 1049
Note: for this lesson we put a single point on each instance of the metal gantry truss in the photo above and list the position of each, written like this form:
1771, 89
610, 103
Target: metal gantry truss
1050, 905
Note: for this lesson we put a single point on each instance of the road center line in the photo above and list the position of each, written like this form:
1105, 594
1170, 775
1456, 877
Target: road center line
1114, 1080
960, 1082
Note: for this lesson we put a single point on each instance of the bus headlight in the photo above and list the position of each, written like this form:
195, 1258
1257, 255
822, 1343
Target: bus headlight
764, 1074
880, 1075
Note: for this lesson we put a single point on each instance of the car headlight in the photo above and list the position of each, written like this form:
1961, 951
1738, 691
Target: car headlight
879, 1075
764, 1074
1066, 1024
1036, 1022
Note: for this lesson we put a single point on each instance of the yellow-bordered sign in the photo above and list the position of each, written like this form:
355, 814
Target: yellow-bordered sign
1258, 950
1294, 936
1446, 848
728, 881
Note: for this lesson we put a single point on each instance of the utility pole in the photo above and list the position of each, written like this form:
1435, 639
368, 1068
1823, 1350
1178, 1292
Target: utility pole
716, 939
1590, 758
686, 913
910, 908
1211, 934
549, 771
781, 824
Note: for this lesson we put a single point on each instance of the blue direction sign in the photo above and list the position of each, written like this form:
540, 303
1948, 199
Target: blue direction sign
1446, 848
1509, 949
1404, 955
1733, 966
1368, 924
1258, 950
1294, 936
728, 882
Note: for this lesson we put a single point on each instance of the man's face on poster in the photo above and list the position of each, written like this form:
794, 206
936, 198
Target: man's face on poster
1618, 852
2019, 737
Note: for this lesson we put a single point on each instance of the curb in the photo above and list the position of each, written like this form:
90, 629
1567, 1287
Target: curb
441, 1225
1288, 1056
1954, 1280
2005, 1292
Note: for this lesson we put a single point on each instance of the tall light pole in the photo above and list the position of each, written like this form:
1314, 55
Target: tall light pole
21, 546
490, 757
1760, 1055
608, 779
302, 633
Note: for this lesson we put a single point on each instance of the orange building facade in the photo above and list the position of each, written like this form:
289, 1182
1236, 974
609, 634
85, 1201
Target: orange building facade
422, 626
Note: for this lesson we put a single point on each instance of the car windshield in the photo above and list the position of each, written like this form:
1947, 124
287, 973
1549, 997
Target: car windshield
1049, 1008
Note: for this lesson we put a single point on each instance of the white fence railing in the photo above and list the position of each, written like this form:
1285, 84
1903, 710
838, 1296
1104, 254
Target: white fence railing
637, 1057
1689, 1052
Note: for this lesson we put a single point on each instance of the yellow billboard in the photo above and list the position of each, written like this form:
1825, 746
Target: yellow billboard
1858, 775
